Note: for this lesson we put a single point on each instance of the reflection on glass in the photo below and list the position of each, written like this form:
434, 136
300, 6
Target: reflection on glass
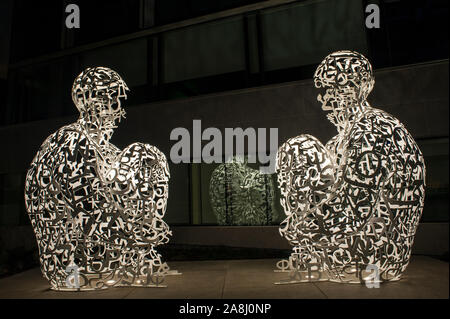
241, 195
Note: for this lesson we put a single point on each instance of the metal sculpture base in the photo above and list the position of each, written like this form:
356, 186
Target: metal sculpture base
96, 283
316, 273
143, 282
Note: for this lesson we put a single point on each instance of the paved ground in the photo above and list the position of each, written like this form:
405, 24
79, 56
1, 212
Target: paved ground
425, 278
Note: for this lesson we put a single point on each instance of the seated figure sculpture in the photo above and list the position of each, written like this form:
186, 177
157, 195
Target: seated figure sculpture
356, 201
96, 210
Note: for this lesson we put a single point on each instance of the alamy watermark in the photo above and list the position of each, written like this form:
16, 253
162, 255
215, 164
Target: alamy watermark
73, 17
373, 18
257, 149
73, 277
373, 279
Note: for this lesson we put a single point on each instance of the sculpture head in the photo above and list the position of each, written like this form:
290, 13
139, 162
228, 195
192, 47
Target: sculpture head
96, 93
347, 78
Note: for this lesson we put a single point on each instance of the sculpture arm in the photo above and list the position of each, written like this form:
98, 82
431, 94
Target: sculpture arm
364, 166
365, 157
85, 195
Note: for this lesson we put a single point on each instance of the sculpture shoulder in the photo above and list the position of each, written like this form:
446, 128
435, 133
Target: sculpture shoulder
300, 144
382, 130
65, 136
68, 140
377, 144
65, 155
377, 122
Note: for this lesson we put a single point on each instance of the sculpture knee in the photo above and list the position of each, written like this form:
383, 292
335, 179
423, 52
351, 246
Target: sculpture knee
306, 173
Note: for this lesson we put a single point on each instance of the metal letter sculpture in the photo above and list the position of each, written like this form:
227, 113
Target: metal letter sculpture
241, 195
355, 203
96, 210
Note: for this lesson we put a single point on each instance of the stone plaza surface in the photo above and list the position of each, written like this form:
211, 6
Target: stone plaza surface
425, 277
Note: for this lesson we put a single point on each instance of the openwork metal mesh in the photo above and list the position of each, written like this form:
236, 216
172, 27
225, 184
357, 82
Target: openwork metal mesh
357, 200
241, 195
97, 211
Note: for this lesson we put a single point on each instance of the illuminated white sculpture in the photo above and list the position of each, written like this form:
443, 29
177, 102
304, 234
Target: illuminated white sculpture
241, 195
354, 204
96, 210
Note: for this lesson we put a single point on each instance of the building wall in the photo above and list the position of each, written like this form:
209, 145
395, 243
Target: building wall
5, 35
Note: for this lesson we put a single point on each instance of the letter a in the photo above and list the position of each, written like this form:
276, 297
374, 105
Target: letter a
183, 145
373, 19
73, 19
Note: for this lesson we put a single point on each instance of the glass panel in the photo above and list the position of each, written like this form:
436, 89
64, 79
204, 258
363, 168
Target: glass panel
36, 28
12, 208
101, 20
178, 205
204, 50
187, 9
436, 207
303, 34
417, 30
41, 91
129, 59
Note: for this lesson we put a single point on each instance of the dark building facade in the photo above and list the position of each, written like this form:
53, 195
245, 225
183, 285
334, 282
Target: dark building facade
229, 64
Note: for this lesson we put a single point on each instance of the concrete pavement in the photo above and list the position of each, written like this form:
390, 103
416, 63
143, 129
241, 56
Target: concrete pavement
252, 278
